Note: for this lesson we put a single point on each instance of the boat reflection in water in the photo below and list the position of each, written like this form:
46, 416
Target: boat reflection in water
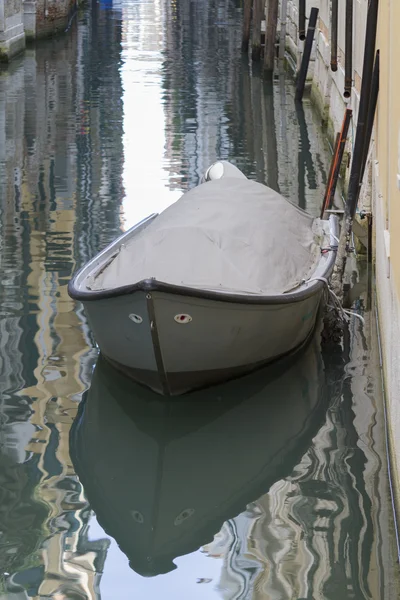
163, 475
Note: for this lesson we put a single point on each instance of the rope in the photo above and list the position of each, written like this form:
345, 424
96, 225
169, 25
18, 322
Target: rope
344, 313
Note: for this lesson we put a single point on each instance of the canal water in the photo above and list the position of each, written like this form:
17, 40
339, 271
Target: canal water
274, 486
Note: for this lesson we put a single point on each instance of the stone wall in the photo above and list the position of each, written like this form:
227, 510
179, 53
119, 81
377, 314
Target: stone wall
31, 19
52, 17
12, 37
381, 186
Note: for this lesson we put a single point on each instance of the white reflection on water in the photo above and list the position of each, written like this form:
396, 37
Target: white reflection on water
145, 180
181, 584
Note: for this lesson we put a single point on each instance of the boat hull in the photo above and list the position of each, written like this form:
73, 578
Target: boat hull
172, 343
176, 338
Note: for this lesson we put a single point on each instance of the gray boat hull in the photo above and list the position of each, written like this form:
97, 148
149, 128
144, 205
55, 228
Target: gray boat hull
174, 339
222, 340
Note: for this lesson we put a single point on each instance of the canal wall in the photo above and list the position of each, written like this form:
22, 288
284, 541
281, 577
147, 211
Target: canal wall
12, 35
22, 21
381, 186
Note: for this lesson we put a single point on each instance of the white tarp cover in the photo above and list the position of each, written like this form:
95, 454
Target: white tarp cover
230, 235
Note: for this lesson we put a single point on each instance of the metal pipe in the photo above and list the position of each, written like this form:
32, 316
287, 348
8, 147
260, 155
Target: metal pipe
302, 20
336, 162
325, 205
334, 35
361, 139
348, 52
301, 81
371, 113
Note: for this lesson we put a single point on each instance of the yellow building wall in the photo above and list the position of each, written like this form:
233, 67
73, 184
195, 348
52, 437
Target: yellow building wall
394, 140
383, 44
388, 127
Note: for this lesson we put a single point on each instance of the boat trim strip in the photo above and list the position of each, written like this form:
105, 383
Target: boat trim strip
156, 346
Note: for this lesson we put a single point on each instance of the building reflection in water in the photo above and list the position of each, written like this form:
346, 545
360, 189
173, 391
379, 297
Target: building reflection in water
143, 96
319, 533
58, 148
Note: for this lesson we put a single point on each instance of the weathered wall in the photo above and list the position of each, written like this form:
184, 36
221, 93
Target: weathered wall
30, 19
52, 16
328, 86
386, 194
382, 180
12, 37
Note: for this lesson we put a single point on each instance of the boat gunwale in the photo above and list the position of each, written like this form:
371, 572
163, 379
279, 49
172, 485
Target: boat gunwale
305, 291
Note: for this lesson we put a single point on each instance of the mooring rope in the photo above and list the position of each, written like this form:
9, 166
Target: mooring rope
344, 313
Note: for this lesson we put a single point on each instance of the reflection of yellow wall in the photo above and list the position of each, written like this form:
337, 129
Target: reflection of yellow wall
388, 126
58, 381
58, 377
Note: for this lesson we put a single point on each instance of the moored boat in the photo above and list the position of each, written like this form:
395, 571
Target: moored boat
228, 278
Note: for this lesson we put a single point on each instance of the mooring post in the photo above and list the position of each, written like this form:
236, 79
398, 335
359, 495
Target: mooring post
336, 162
258, 13
270, 35
301, 81
246, 24
360, 144
282, 36
325, 203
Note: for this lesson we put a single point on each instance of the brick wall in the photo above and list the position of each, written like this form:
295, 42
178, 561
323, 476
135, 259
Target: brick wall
52, 16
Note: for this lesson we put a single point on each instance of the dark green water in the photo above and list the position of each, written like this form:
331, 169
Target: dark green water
271, 487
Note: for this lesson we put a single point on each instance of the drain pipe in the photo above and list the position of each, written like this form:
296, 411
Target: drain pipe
302, 20
360, 142
334, 35
371, 114
348, 53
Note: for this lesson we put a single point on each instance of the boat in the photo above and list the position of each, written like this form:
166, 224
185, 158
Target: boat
228, 278
163, 474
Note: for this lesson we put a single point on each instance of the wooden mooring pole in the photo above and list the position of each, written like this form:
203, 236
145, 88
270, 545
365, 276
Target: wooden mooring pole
270, 34
282, 36
246, 24
359, 148
258, 13
301, 81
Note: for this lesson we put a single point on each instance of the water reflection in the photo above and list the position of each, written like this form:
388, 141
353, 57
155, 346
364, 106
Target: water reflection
98, 128
172, 472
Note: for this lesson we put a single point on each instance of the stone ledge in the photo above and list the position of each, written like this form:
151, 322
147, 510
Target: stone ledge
11, 46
